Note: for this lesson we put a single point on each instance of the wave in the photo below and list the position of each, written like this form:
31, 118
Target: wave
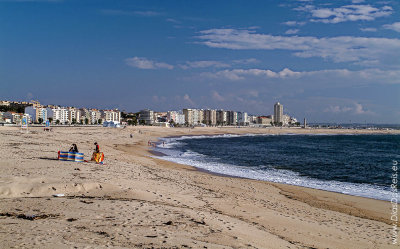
263, 172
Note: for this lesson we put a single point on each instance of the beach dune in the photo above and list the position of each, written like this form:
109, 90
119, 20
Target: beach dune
137, 201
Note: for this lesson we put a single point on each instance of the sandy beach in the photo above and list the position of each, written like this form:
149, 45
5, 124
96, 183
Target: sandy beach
137, 201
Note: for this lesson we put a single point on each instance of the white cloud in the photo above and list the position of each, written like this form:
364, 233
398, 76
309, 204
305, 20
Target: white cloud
338, 49
394, 26
344, 75
338, 109
188, 99
216, 96
346, 13
144, 63
357, 108
292, 31
368, 29
217, 64
294, 23
240, 74
246, 61
204, 64
172, 20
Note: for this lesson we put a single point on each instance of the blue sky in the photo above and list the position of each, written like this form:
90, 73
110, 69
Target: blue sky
329, 61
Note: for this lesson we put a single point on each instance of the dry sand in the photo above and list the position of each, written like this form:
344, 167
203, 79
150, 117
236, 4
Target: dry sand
137, 201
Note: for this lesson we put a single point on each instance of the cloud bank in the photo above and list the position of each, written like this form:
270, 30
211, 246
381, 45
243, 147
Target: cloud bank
366, 75
394, 26
346, 13
337, 49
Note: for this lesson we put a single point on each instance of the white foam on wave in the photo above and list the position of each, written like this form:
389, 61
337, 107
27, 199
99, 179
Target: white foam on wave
266, 173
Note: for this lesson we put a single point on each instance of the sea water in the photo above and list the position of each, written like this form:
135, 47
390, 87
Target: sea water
358, 165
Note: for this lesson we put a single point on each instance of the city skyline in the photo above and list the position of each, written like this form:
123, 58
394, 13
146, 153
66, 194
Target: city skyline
328, 62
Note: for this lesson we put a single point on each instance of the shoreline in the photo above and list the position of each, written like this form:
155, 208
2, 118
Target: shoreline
152, 151
136, 201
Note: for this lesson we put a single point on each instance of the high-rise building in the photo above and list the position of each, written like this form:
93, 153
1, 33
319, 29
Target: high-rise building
242, 118
221, 117
232, 117
189, 119
278, 113
210, 117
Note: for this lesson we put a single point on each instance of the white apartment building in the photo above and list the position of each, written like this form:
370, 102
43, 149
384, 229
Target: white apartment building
111, 115
197, 117
60, 114
73, 115
176, 116
95, 115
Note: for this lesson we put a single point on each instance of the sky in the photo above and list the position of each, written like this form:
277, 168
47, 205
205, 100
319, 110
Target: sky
328, 61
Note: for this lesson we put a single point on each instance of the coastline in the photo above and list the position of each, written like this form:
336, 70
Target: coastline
135, 200
292, 191
155, 151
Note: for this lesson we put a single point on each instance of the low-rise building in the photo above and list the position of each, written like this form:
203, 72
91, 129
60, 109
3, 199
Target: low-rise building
285, 120
5, 103
265, 120
252, 119
146, 116
13, 117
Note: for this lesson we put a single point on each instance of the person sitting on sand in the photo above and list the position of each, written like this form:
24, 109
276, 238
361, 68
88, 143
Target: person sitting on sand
97, 149
74, 148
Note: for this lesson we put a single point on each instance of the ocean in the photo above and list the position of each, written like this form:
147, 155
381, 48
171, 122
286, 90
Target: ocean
359, 165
